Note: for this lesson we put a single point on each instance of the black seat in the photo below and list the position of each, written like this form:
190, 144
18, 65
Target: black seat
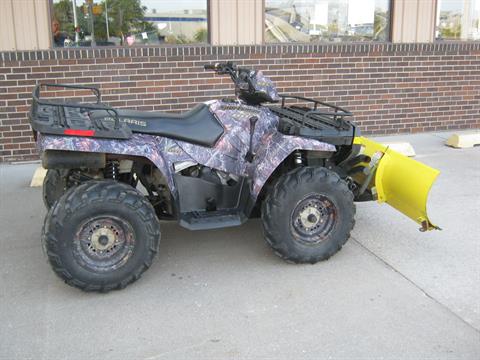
198, 126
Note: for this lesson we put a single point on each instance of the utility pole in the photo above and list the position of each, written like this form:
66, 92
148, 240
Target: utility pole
466, 21
90, 18
106, 19
75, 21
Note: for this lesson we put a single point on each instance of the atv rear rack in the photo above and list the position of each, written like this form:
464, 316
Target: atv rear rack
61, 117
326, 124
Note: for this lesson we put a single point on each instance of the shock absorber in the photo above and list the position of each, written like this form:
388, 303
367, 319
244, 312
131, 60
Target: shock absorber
111, 170
298, 159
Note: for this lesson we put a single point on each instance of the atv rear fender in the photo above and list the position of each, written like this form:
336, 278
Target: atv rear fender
145, 146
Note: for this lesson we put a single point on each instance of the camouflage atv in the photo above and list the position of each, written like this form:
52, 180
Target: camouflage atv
298, 163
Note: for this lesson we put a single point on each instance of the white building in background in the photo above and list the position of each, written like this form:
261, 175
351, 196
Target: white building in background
179, 26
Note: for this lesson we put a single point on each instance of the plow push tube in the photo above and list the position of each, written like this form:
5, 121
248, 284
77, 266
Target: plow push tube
399, 181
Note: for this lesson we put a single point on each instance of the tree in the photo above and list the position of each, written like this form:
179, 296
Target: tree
201, 36
63, 13
380, 28
125, 16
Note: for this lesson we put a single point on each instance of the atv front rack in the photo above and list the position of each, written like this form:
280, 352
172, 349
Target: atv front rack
61, 117
321, 121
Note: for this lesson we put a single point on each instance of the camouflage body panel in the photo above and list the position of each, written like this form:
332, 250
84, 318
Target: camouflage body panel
270, 156
161, 151
228, 154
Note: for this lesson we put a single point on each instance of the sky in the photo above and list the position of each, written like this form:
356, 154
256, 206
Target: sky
362, 8
448, 5
165, 5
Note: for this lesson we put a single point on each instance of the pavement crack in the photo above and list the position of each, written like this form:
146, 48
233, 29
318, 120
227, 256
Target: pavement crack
416, 285
443, 137
176, 350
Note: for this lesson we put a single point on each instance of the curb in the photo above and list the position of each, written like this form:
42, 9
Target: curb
461, 141
38, 176
403, 148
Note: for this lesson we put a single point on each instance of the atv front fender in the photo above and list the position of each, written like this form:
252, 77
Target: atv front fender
276, 148
397, 180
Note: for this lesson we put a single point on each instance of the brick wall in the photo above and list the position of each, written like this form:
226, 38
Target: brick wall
391, 88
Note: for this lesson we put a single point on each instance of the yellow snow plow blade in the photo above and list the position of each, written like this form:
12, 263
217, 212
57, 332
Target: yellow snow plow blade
399, 181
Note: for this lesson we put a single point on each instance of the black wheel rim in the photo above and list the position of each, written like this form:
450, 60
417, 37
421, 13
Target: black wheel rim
104, 243
313, 219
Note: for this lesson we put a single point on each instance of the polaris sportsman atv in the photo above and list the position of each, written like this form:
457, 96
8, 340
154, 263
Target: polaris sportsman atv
298, 163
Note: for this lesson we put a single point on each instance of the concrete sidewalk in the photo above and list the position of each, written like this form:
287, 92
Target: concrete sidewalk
391, 293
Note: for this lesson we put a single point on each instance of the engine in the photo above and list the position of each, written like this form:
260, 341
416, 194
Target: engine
192, 169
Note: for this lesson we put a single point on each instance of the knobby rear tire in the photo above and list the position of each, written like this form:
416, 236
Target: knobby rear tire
104, 200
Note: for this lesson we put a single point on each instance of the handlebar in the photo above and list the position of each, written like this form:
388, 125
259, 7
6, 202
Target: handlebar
238, 74
221, 68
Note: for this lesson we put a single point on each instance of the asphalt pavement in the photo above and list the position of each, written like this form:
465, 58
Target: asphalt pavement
391, 293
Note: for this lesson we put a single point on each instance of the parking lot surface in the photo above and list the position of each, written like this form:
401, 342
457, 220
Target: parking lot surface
392, 292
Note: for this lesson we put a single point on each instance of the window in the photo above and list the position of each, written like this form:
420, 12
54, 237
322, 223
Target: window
458, 20
327, 20
128, 22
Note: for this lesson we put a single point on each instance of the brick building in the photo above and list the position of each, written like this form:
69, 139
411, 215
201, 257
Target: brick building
414, 66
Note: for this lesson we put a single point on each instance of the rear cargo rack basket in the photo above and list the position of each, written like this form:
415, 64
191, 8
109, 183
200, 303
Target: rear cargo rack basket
62, 117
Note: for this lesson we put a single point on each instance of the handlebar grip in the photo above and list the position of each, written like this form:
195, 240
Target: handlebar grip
210, 67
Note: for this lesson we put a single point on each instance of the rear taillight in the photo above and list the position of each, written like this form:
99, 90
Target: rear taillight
74, 132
